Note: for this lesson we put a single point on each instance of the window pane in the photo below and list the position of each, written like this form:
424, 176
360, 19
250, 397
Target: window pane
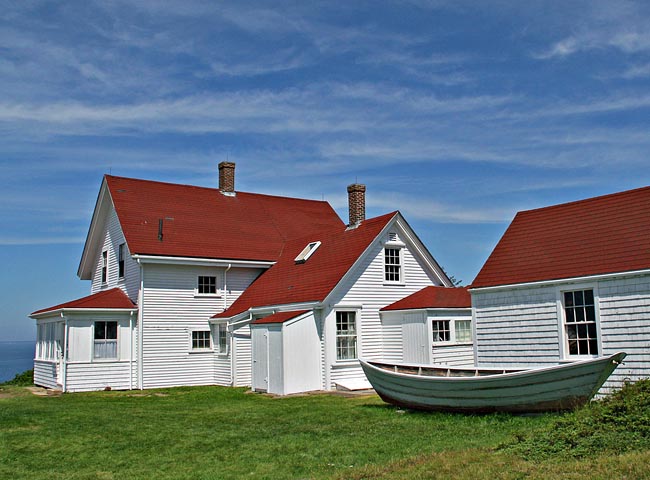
580, 314
100, 330
111, 330
441, 331
579, 298
568, 299
463, 331
589, 297
346, 336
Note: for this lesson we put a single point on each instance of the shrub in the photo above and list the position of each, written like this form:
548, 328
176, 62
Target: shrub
25, 379
618, 423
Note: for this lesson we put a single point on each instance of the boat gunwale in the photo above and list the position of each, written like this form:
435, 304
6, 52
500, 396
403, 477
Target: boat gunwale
518, 373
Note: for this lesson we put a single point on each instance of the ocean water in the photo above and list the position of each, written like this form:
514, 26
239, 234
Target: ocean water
15, 357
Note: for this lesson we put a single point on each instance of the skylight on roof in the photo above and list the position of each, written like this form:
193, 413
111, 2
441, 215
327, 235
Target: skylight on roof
307, 252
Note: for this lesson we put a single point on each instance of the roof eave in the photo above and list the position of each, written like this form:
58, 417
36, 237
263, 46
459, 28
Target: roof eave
63, 311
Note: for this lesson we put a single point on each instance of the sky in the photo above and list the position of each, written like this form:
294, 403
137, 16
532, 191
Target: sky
457, 113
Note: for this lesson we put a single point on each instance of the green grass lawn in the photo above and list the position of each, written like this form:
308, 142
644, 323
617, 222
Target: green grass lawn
221, 433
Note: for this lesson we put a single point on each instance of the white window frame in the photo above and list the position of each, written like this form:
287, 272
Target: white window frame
217, 291
106, 341
194, 349
104, 268
563, 337
121, 261
356, 335
400, 265
221, 333
47, 341
307, 252
453, 340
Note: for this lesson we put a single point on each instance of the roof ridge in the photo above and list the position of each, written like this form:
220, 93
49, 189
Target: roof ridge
213, 189
587, 200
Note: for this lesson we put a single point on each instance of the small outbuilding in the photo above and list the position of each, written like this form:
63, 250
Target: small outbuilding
433, 325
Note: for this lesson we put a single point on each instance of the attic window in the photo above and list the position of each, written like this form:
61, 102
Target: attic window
307, 252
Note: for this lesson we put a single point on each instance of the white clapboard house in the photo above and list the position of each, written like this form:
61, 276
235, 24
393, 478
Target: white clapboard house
202, 286
568, 282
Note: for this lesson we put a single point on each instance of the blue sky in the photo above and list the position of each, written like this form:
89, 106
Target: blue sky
457, 113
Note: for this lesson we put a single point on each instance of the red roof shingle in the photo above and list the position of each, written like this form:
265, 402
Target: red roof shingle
433, 297
279, 317
600, 235
203, 223
288, 282
114, 298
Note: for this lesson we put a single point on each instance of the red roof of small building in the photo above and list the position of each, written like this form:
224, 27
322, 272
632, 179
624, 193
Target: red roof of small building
114, 298
204, 223
288, 282
600, 235
433, 297
279, 317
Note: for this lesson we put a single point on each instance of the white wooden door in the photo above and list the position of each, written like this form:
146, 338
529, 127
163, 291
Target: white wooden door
414, 338
260, 354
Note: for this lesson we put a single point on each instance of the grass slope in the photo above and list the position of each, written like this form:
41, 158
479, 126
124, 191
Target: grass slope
224, 433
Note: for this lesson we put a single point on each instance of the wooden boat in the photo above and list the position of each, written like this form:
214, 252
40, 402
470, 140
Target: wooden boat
481, 390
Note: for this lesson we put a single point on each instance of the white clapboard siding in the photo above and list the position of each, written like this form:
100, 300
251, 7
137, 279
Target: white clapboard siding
392, 337
88, 376
45, 374
366, 288
171, 310
112, 237
454, 355
243, 358
521, 326
625, 326
516, 327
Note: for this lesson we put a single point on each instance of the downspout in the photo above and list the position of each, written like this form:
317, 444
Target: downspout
140, 328
231, 341
131, 350
225, 287
64, 374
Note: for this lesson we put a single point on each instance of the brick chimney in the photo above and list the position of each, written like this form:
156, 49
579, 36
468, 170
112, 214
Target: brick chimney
227, 178
357, 203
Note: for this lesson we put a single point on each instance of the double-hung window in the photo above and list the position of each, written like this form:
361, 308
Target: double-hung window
346, 335
201, 340
105, 345
392, 264
207, 285
120, 261
580, 330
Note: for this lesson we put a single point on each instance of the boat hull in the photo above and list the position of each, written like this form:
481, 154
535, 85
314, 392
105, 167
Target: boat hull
556, 388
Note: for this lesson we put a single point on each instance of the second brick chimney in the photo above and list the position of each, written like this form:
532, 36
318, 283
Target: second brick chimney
357, 203
227, 178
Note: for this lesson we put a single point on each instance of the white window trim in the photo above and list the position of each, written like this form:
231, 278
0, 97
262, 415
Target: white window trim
103, 268
395, 246
562, 338
121, 278
217, 293
307, 252
452, 331
357, 318
116, 358
200, 350
217, 338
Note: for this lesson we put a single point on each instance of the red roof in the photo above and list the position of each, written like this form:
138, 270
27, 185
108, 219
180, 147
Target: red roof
202, 222
288, 282
433, 297
114, 298
279, 317
600, 235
